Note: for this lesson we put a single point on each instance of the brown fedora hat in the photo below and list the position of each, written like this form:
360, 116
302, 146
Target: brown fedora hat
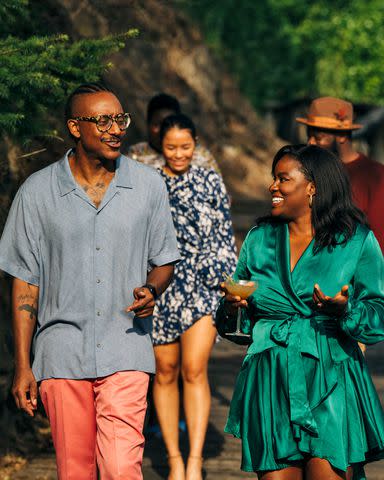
330, 113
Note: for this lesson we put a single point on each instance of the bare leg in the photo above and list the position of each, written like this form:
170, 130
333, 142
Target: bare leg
166, 400
319, 468
290, 473
196, 346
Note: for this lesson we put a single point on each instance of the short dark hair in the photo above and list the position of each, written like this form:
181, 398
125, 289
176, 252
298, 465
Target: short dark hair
84, 89
334, 216
180, 121
162, 101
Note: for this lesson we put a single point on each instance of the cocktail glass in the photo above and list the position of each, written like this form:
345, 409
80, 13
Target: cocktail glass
242, 289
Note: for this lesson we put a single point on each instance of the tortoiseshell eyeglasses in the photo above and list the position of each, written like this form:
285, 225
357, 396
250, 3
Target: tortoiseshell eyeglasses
105, 122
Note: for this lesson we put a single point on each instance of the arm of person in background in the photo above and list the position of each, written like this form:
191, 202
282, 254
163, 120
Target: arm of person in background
363, 319
224, 228
221, 259
24, 308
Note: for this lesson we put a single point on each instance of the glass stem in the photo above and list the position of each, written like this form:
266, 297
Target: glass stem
238, 321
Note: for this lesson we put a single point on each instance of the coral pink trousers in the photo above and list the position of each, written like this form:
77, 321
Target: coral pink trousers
97, 423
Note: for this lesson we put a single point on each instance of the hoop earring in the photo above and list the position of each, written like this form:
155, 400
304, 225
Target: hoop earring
310, 200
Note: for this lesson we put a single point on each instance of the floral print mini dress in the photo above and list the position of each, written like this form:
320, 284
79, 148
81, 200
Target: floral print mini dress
201, 216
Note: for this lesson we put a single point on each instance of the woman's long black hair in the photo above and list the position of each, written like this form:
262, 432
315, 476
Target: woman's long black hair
334, 216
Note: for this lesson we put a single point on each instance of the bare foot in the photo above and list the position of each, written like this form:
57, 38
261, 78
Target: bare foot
194, 468
176, 467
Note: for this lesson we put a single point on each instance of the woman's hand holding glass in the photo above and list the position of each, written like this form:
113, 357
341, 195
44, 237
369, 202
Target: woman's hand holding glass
232, 302
333, 306
236, 293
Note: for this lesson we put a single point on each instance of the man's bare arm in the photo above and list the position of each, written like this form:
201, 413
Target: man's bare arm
24, 308
160, 277
144, 303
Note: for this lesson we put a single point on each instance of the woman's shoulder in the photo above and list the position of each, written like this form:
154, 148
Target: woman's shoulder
362, 231
205, 173
356, 244
360, 235
264, 226
363, 238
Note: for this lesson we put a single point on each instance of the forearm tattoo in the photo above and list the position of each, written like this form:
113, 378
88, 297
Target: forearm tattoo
28, 303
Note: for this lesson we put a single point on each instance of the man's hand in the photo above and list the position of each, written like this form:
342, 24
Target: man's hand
232, 302
143, 304
24, 390
331, 305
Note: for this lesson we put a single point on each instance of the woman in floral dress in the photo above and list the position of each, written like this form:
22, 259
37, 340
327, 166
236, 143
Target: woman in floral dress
184, 332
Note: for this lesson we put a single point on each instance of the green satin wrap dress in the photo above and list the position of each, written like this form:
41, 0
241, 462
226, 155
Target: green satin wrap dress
304, 387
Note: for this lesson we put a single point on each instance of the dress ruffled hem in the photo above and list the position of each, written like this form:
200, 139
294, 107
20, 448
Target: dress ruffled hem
350, 420
358, 468
183, 328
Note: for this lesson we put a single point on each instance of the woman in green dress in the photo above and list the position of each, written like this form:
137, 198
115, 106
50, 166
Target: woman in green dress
304, 403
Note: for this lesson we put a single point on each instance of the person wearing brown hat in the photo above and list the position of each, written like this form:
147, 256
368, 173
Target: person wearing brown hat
330, 125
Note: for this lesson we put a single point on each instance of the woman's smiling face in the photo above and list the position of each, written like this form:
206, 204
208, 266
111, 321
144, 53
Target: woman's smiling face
290, 189
178, 147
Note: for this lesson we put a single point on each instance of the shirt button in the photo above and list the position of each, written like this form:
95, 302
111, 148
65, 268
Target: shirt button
98, 313
98, 280
98, 345
97, 248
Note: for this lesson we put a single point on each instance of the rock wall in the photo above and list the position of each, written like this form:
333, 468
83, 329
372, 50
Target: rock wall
170, 55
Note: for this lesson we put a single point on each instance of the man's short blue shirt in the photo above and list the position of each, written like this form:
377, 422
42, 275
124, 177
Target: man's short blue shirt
86, 262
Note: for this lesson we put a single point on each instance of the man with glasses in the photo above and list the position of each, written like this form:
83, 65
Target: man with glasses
90, 243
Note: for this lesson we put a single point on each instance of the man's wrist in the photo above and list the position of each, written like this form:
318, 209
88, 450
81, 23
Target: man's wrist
22, 366
152, 289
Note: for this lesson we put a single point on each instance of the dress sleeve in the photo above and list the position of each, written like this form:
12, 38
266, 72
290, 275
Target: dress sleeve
202, 157
226, 323
19, 250
364, 319
222, 256
162, 237
211, 162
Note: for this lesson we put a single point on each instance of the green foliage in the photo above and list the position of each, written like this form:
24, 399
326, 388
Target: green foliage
12, 11
38, 72
286, 49
349, 48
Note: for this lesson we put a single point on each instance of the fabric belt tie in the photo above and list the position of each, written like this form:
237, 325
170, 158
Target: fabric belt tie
298, 334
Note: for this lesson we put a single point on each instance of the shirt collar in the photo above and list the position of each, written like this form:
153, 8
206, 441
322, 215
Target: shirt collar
64, 175
67, 183
124, 172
